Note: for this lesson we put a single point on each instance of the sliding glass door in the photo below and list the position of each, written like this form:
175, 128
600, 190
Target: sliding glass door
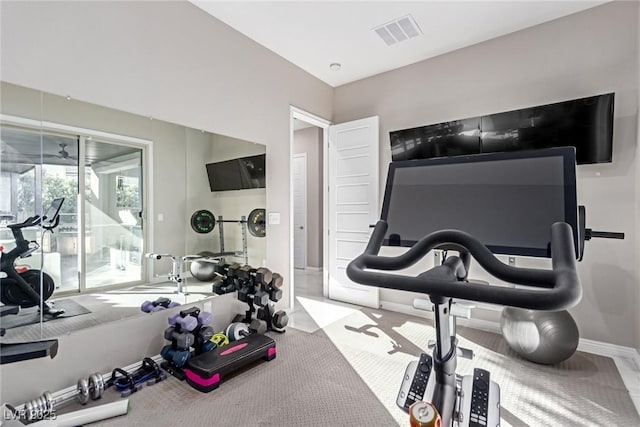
113, 213
100, 239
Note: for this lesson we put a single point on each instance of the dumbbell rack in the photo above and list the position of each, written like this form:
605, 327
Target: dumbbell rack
170, 366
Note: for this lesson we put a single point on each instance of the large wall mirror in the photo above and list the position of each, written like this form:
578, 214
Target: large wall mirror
131, 185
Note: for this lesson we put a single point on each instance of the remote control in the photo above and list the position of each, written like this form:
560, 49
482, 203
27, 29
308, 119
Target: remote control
416, 382
479, 398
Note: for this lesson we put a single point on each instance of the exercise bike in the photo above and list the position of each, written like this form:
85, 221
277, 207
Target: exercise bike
431, 384
21, 286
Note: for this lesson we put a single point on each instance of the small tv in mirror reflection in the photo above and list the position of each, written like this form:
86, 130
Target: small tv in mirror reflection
237, 174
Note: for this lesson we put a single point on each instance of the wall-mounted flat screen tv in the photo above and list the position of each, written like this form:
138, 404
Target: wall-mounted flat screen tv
585, 123
441, 140
237, 174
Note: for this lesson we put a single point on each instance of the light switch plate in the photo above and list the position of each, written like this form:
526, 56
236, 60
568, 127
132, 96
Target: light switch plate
274, 218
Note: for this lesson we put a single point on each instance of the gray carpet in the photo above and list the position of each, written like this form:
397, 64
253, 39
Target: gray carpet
348, 373
31, 315
584, 390
309, 383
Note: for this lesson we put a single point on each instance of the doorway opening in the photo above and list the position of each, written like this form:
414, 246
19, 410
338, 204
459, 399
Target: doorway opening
308, 151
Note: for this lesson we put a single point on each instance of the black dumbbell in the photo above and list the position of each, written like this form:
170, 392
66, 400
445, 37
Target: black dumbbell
232, 270
226, 271
261, 298
280, 319
245, 291
261, 276
258, 326
275, 295
277, 281
218, 285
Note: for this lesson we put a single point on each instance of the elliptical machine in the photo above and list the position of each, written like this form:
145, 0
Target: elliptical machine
21, 286
472, 400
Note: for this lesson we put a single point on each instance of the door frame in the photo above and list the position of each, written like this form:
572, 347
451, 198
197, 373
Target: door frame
312, 119
145, 145
304, 211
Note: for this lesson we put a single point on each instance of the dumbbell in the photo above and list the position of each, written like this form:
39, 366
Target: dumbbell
275, 287
261, 298
220, 339
277, 281
188, 323
280, 319
245, 290
205, 318
161, 303
218, 285
187, 316
203, 340
260, 276
258, 326
227, 270
275, 295
182, 340
207, 346
44, 405
179, 357
236, 331
239, 330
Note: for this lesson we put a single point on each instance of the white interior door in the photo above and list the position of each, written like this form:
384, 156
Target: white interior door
353, 204
300, 211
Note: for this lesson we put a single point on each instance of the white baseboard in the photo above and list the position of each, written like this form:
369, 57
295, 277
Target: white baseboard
585, 345
609, 350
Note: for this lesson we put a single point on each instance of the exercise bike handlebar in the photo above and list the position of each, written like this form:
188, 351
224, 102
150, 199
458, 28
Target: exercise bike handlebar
29, 222
557, 289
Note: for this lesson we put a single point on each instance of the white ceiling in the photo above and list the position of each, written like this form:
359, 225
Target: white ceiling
314, 34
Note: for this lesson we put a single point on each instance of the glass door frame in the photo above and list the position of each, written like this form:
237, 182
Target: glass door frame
83, 134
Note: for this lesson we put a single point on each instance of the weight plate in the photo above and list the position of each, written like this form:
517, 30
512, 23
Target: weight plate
203, 221
256, 222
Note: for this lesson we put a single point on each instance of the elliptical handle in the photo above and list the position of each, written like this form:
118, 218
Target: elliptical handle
561, 286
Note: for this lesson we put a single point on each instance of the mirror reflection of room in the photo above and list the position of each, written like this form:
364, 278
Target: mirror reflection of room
100, 161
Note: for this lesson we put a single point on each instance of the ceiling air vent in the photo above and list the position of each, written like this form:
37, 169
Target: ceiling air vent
398, 30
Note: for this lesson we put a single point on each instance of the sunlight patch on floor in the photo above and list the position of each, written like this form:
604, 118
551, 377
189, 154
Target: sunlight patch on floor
324, 313
134, 300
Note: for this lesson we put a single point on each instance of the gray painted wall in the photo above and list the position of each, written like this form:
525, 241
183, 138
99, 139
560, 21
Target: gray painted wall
592, 52
173, 62
309, 141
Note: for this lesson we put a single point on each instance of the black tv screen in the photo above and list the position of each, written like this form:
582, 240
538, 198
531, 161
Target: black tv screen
238, 174
508, 201
441, 140
585, 123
